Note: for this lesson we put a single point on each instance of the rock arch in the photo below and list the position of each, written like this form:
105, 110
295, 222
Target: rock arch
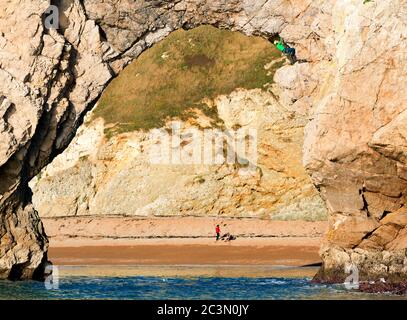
351, 87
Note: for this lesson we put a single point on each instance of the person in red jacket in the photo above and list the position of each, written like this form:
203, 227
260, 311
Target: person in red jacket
217, 232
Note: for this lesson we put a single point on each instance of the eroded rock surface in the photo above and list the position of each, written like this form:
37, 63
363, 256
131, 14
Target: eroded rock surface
98, 176
351, 88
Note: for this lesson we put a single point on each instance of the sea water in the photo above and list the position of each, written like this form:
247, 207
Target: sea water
114, 282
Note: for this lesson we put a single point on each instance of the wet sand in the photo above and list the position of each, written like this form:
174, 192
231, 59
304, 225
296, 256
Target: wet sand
262, 253
188, 271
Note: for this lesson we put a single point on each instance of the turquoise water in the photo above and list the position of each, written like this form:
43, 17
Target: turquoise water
140, 287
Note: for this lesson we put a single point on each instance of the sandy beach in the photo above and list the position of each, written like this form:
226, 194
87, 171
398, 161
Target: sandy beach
182, 241
186, 254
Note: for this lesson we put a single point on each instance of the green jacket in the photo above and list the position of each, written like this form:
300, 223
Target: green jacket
280, 46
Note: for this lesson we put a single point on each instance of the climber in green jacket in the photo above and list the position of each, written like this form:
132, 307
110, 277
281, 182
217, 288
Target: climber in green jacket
289, 52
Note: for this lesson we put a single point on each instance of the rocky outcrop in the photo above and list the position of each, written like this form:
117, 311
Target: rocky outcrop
24, 245
98, 177
354, 147
362, 178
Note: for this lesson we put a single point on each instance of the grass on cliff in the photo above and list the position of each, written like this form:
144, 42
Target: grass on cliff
178, 72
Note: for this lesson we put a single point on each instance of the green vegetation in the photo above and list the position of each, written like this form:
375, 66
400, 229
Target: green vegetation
176, 74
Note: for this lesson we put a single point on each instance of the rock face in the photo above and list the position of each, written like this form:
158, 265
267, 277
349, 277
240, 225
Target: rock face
97, 176
352, 83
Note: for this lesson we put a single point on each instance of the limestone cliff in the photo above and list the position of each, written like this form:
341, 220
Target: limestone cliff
100, 176
351, 77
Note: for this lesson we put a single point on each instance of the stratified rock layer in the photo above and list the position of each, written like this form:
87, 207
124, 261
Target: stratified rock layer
354, 78
97, 176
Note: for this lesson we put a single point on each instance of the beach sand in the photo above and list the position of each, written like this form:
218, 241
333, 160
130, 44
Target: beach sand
185, 255
230, 271
182, 241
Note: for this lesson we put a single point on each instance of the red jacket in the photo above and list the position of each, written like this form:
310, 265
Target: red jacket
217, 230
